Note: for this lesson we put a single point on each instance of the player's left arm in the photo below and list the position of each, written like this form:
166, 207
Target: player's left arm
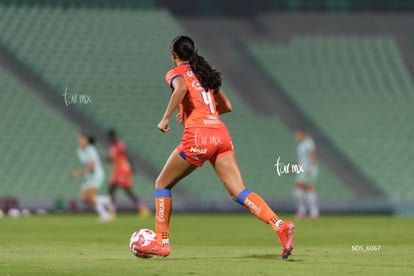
179, 118
83, 171
223, 104
180, 89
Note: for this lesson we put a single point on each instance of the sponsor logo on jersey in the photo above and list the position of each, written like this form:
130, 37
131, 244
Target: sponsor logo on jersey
211, 122
198, 150
197, 86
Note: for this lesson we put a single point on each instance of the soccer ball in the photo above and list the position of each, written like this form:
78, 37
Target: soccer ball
142, 237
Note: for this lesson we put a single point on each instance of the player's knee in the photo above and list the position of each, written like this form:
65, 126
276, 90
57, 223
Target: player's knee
160, 184
85, 199
240, 196
300, 185
310, 188
233, 195
235, 189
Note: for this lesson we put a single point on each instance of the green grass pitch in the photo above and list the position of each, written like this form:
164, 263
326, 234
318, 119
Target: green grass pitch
207, 244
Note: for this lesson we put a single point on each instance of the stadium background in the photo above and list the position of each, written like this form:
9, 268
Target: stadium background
341, 68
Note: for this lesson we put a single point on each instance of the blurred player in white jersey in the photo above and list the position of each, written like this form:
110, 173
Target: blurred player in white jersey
93, 175
305, 195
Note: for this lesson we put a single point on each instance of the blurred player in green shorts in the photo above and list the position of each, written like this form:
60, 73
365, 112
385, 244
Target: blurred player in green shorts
93, 177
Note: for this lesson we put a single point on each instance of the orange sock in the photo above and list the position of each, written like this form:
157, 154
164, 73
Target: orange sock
258, 207
163, 206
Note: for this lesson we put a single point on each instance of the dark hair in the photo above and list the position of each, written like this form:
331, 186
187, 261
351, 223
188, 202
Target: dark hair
91, 139
111, 135
111, 132
183, 47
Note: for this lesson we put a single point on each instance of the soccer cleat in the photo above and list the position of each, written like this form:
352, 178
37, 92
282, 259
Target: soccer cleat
285, 234
112, 213
153, 249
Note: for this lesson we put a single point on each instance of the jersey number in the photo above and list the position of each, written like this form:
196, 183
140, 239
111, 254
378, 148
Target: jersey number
206, 96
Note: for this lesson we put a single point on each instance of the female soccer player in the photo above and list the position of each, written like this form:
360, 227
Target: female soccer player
93, 174
122, 172
196, 92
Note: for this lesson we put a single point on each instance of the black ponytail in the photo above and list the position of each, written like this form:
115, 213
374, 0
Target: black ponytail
183, 47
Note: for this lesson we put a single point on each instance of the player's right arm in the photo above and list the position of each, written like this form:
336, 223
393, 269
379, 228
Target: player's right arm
223, 104
177, 96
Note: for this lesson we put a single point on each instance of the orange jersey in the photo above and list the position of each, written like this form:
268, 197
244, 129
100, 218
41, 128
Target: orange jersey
198, 107
117, 152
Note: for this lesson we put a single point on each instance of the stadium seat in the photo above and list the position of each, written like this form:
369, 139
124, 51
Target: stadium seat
119, 58
358, 91
38, 145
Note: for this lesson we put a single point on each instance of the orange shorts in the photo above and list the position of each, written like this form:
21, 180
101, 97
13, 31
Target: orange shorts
121, 178
200, 144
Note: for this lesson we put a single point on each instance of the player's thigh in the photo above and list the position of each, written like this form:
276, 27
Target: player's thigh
88, 194
305, 186
228, 171
309, 187
175, 169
